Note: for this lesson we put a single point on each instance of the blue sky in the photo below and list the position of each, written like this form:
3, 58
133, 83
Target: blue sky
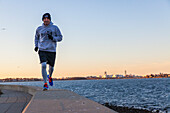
99, 35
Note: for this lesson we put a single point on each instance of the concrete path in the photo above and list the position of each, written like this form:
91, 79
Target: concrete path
64, 101
51, 101
13, 101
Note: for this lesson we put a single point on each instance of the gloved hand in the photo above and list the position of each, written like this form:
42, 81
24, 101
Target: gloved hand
36, 49
50, 36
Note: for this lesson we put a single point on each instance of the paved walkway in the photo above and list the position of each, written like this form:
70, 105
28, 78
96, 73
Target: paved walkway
13, 101
51, 101
64, 101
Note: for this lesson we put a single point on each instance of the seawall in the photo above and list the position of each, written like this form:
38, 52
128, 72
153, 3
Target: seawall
57, 101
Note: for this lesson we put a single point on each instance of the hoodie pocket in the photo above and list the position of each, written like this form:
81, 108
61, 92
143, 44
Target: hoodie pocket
51, 46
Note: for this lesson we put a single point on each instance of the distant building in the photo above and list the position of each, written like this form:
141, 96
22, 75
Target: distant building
106, 75
118, 76
130, 76
100, 76
167, 75
125, 72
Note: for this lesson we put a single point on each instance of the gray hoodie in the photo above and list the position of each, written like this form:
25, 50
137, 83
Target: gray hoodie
41, 38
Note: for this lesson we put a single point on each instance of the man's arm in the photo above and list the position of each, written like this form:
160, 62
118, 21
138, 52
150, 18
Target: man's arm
36, 40
58, 36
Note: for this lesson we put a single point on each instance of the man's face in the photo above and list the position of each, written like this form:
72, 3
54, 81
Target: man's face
46, 21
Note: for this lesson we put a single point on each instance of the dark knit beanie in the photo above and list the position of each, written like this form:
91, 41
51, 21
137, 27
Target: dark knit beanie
46, 15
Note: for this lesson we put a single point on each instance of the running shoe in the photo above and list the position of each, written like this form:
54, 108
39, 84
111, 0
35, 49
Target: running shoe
50, 80
45, 87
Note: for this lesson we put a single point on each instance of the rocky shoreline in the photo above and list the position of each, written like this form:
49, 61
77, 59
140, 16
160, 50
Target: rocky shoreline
0, 92
121, 109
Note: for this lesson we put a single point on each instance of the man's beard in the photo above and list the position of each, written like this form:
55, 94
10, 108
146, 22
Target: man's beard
46, 23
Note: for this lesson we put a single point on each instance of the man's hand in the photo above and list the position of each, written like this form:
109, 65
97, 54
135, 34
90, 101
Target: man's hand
36, 49
50, 36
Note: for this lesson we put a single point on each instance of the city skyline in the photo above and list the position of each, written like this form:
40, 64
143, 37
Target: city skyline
98, 36
105, 76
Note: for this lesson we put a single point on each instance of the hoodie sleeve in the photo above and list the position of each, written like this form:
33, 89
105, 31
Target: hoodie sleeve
58, 36
36, 38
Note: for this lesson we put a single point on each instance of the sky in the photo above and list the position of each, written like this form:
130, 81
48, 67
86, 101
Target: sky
98, 36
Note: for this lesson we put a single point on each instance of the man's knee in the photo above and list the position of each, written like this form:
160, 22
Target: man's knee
43, 65
51, 67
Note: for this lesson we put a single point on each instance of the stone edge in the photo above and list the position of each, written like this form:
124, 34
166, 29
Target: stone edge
27, 89
30, 90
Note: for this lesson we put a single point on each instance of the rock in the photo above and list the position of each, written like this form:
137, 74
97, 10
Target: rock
123, 109
0, 92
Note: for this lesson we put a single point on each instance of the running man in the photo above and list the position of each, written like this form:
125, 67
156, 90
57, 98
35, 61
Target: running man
46, 39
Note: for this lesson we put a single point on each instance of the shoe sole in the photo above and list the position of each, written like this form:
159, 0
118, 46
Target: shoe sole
45, 89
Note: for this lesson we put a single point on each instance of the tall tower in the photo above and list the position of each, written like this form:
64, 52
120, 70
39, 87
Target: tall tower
105, 73
125, 72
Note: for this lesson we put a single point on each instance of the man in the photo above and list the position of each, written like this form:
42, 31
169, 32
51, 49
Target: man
46, 39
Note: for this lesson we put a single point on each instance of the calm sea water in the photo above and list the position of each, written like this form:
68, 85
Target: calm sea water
151, 94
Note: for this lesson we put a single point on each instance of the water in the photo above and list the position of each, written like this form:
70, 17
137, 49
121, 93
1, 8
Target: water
151, 94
